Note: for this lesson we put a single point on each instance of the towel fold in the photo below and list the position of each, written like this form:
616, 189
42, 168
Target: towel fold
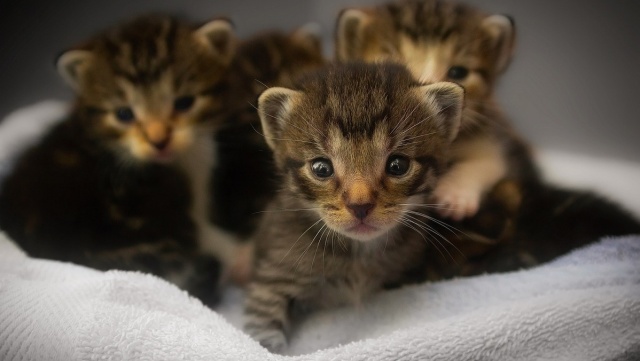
584, 306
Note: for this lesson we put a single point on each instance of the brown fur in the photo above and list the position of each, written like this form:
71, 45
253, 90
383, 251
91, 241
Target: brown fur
108, 193
311, 244
246, 178
431, 37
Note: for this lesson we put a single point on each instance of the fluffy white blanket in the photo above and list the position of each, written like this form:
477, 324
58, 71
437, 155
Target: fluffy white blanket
585, 306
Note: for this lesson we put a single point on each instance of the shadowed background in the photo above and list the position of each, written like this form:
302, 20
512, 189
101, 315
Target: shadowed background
572, 85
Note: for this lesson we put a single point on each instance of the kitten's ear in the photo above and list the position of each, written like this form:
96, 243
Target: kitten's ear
309, 36
447, 99
350, 34
219, 36
502, 36
274, 106
72, 66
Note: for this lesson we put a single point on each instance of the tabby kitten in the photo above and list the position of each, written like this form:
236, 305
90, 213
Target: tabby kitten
446, 41
357, 145
523, 221
122, 181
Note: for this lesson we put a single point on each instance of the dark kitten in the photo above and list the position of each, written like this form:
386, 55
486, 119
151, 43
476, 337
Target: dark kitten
246, 177
357, 145
121, 183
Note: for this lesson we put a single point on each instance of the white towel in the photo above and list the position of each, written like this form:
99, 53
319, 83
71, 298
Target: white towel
584, 306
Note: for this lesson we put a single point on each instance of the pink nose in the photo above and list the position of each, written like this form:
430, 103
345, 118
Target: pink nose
361, 211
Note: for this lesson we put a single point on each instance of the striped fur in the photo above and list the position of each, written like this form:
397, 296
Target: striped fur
448, 41
310, 247
128, 193
522, 221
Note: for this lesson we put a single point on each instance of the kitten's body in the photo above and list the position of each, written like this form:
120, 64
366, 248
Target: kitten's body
353, 230
446, 41
119, 183
522, 221
246, 178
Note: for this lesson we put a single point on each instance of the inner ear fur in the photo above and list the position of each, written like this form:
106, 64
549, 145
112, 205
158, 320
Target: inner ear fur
447, 99
219, 36
501, 32
274, 107
350, 34
72, 66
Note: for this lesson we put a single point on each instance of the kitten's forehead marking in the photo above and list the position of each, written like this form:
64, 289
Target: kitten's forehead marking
428, 61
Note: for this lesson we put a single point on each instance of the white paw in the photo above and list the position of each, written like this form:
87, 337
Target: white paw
456, 201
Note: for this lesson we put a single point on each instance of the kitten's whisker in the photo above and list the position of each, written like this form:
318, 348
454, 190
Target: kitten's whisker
263, 84
435, 205
425, 119
426, 229
408, 225
433, 230
309, 246
294, 243
404, 118
292, 140
442, 223
288, 210
318, 245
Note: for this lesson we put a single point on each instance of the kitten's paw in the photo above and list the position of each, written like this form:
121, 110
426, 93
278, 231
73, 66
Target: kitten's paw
273, 340
457, 201
241, 269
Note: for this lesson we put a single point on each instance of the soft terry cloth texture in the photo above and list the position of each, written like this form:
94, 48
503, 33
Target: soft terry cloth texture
584, 306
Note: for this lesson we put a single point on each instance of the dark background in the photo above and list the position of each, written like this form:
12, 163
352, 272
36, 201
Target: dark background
572, 86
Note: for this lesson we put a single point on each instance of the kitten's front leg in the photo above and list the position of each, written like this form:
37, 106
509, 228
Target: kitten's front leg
267, 306
480, 167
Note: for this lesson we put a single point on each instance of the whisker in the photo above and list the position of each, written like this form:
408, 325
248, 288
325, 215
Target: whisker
295, 264
430, 230
408, 225
318, 245
288, 210
294, 243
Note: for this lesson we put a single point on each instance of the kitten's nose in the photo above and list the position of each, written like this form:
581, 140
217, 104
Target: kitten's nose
158, 134
161, 144
361, 211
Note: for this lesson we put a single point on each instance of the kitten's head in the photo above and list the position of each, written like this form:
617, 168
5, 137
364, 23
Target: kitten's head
278, 58
437, 40
145, 86
361, 143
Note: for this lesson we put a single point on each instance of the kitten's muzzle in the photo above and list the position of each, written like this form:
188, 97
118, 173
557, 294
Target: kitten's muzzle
360, 211
158, 134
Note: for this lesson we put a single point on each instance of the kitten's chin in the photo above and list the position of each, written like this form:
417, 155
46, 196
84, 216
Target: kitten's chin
363, 232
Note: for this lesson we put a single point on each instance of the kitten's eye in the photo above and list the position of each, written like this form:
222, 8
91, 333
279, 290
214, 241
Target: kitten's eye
457, 73
397, 165
125, 114
322, 168
183, 103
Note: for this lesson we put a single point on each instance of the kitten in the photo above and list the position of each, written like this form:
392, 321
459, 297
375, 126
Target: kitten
268, 59
445, 41
122, 182
245, 177
523, 221
357, 145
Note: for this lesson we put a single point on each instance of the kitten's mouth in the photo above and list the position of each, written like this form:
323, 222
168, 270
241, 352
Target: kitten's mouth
163, 156
362, 229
